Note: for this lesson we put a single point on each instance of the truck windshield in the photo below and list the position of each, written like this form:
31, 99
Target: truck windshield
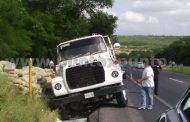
82, 47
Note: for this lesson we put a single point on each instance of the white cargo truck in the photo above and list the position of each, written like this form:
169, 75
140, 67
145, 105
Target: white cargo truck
88, 70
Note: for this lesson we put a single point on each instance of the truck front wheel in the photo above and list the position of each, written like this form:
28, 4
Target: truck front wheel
122, 99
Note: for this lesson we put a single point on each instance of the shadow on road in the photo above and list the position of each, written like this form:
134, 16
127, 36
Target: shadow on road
67, 113
89, 111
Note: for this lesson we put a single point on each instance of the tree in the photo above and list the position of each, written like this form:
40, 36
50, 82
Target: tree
140, 54
14, 33
178, 51
61, 20
72, 8
102, 23
122, 55
29, 28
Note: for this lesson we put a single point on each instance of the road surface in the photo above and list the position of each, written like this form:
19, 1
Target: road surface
171, 87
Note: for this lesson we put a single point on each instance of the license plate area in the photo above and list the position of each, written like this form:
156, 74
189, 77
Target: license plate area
89, 95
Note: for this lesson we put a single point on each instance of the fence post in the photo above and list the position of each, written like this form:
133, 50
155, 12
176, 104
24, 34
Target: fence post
30, 77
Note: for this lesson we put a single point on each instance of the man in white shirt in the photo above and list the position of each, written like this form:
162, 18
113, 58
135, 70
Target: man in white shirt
147, 87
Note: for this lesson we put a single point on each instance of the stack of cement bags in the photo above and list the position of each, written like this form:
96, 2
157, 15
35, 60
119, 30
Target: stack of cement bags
20, 77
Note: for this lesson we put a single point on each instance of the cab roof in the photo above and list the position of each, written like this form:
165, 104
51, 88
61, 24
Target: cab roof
86, 37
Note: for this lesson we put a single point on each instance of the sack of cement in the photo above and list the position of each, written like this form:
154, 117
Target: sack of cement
6, 66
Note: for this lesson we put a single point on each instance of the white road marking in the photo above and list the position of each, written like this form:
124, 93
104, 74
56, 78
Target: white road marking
163, 101
176, 80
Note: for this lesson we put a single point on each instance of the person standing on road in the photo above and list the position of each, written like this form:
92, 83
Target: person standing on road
156, 68
147, 86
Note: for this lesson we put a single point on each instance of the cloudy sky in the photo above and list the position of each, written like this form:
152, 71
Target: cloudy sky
152, 17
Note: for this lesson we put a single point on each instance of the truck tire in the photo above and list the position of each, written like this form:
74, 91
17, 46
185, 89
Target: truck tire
124, 76
122, 99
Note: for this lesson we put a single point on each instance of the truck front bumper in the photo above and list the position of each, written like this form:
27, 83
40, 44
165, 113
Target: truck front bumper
83, 95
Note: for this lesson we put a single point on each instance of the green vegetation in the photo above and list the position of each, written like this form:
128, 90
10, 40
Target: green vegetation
141, 54
145, 46
150, 42
172, 48
16, 107
122, 55
178, 51
179, 69
30, 28
102, 23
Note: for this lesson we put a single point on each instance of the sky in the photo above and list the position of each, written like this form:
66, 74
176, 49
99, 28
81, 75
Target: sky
151, 17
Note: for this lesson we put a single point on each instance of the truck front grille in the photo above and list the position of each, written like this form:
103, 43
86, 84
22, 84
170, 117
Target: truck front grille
85, 75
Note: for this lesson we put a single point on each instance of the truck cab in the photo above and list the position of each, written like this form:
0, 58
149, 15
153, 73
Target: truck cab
88, 69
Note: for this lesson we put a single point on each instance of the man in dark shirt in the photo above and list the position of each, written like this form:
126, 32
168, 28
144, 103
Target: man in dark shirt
156, 68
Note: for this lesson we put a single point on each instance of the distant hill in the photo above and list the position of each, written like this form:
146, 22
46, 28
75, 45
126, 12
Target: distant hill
150, 42
143, 46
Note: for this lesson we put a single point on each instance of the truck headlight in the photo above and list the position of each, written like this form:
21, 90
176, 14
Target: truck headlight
58, 86
115, 74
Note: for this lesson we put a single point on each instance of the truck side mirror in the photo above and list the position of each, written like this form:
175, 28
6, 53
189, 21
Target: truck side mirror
117, 45
51, 64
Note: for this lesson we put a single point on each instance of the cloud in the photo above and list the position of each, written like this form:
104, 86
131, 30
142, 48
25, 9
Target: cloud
132, 17
158, 17
152, 20
178, 12
156, 5
188, 4
110, 11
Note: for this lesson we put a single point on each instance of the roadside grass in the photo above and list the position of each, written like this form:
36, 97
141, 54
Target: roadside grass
18, 107
177, 69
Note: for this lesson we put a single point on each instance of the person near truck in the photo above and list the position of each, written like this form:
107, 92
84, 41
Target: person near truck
156, 68
147, 86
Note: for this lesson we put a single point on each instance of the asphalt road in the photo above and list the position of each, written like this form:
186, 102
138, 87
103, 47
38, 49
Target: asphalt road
171, 87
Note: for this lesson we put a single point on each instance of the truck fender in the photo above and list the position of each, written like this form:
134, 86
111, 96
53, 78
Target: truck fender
58, 86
